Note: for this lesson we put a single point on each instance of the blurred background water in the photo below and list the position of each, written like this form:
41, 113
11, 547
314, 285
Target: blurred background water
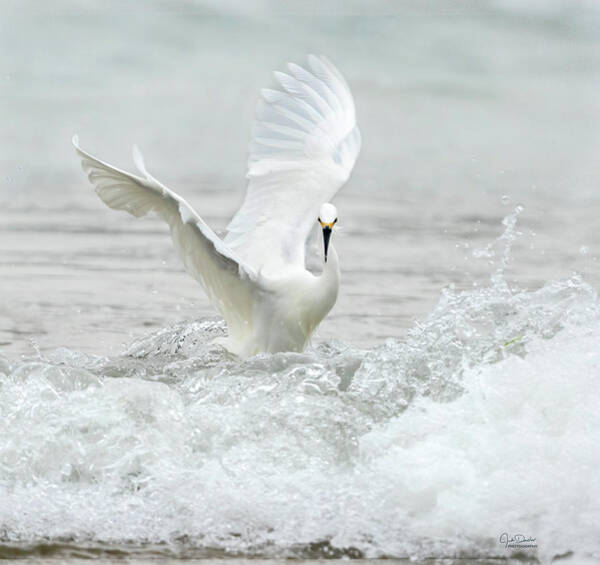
470, 112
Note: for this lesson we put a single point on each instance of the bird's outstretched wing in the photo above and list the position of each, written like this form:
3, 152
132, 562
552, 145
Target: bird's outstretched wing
304, 146
228, 282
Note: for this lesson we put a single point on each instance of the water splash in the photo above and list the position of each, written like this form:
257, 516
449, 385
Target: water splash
473, 419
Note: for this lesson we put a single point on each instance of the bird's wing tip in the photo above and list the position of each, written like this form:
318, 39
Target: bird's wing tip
138, 159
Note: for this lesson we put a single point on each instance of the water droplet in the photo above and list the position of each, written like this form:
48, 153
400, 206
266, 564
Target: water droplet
506, 199
584, 250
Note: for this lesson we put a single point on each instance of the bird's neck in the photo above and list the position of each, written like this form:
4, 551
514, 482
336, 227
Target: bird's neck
329, 282
331, 267
321, 294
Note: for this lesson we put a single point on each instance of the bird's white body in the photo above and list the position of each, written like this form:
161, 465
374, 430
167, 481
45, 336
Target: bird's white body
304, 147
286, 311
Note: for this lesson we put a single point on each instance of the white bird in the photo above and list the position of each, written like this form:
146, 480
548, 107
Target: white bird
304, 146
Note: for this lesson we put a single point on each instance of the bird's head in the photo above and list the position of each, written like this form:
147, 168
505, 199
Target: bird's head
327, 218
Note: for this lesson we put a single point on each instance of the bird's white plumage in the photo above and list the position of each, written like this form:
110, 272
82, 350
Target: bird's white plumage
327, 213
303, 150
228, 282
304, 146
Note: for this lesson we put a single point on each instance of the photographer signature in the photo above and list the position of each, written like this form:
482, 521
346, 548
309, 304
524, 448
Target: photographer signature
517, 541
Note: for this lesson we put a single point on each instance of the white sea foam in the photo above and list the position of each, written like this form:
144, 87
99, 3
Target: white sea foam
482, 421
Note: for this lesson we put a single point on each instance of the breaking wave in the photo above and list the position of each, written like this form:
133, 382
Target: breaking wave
481, 421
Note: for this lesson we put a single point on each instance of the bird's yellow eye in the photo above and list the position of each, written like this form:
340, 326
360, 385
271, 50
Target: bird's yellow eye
327, 224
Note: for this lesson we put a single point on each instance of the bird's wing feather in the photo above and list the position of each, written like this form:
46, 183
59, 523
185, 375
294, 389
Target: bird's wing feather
228, 282
304, 146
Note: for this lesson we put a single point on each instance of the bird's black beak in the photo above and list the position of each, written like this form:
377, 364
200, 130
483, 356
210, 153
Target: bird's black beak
326, 236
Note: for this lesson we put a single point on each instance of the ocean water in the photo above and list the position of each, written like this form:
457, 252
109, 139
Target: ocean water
450, 396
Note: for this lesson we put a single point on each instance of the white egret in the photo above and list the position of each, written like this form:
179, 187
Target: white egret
304, 146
